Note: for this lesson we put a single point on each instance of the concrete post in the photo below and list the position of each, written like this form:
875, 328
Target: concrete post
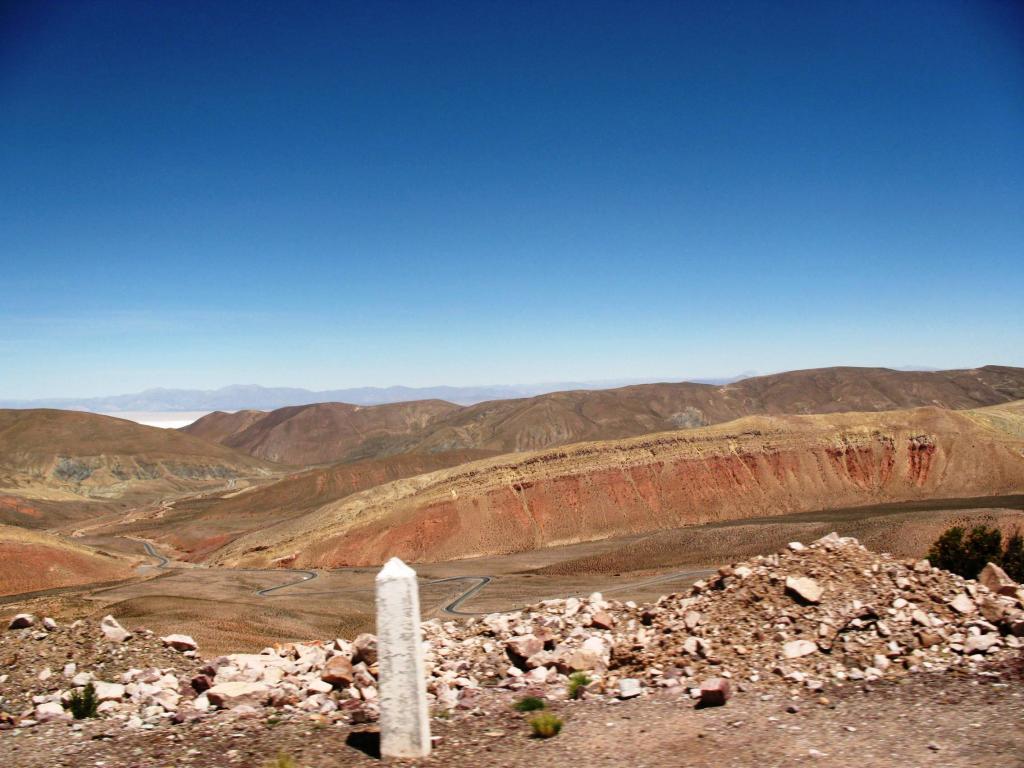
404, 722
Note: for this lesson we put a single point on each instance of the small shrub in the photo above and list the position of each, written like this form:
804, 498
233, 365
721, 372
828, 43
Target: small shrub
83, 703
965, 554
545, 725
283, 761
578, 682
529, 704
1013, 557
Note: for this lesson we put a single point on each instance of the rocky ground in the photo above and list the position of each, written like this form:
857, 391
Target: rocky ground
818, 652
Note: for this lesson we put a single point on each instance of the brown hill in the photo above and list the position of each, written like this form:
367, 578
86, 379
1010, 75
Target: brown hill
66, 455
197, 526
218, 426
33, 560
755, 466
311, 434
321, 433
566, 417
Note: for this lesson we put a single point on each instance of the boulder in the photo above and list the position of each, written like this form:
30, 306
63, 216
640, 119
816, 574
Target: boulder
981, 643
962, 604
629, 688
49, 624
365, 649
180, 642
108, 691
21, 621
580, 660
51, 710
995, 578
795, 649
715, 692
201, 683
804, 589
601, 620
523, 647
338, 672
236, 693
318, 686
113, 631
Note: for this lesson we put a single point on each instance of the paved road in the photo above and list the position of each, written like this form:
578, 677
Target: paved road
163, 562
452, 608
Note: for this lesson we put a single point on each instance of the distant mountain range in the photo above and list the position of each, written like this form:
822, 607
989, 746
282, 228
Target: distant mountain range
251, 396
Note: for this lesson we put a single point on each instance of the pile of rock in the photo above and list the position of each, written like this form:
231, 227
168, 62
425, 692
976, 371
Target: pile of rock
808, 616
823, 614
801, 619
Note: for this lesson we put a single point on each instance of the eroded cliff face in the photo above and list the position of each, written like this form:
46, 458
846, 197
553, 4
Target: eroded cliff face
750, 468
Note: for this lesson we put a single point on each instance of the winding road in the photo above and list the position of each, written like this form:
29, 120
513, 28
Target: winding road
452, 608
163, 563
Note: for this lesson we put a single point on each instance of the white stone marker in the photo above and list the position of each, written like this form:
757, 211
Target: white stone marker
404, 723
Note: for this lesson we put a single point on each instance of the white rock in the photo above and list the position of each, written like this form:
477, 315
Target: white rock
232, 694
108, 691
804, 588
51, 710
319, 686
180, 642
113, 631
981, 643
629, 687
962, 604
794, 649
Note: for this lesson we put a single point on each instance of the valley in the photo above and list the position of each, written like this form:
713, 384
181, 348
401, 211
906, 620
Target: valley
244, 528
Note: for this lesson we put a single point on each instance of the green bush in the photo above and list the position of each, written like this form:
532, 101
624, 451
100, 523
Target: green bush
83, 703
529, 704
578, 682
282, 761
965, 554
1013, 557
545, 725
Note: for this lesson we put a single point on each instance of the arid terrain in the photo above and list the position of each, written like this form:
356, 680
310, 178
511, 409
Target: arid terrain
752, 467
254, 530
164, 526
884, 657
338, 432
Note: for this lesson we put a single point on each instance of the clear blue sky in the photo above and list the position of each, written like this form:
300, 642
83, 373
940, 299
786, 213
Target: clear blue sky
324, 195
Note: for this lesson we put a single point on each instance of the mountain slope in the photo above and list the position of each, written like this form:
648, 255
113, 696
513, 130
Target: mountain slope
33, 560
70, 454
567, 417
320, 433
219, 426
195, 527
755, 466
561, 418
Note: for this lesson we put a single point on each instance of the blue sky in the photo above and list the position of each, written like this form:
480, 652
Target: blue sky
199, 194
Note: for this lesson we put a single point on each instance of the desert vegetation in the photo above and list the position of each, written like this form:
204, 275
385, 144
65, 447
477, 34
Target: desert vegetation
966, 552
